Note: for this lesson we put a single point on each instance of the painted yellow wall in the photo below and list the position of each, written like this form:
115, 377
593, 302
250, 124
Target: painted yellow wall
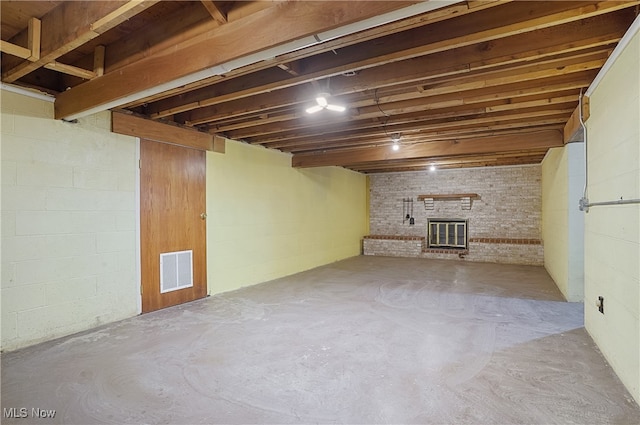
68, 223
562, 221
612, 233
267, 220
555, 219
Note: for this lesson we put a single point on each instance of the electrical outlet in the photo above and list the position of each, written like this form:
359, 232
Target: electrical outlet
600, 304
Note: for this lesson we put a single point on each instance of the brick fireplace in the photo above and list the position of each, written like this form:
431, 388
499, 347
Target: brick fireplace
502, 217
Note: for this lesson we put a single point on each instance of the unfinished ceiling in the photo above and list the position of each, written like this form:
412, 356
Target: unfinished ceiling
460, 84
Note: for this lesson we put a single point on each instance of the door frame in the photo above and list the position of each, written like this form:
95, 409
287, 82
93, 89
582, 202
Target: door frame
138, 231
173, 219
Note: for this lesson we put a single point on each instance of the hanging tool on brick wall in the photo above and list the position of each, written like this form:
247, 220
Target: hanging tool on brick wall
405, 215
412, 220
407, 211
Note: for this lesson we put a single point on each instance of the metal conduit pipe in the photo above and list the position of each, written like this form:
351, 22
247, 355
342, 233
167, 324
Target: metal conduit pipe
618, 202
584, 203
584, 200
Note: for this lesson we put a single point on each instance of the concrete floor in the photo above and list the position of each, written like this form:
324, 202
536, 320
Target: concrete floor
366, 340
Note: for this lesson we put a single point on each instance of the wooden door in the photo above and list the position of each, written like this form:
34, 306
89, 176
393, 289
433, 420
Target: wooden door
172, 224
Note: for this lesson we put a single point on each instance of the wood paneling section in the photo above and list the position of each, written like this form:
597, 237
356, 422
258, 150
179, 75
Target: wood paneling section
172, 199
123, 123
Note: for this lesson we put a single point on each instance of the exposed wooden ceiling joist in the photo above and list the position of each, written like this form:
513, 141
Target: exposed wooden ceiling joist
593, 33
70, 25
470, 83
413, 47
269, 27
486, 145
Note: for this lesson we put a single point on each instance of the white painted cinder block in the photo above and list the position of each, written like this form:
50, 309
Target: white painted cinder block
9, 173
42, 174
21, 198
94, 221
59, 292
68, 223
612, 233
24, 297
115, 241
23, 248
95, 179
43, 222
9, 325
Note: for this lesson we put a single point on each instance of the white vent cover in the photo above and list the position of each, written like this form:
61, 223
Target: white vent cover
176, 270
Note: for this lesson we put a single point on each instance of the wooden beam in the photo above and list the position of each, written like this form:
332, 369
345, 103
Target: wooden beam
415, 103
429, 131
269, 27
486, 145
33, 38
569, 39
368, 130
242, 9
14, 49
573, 131
214, 11
83, 21
448, 196
219, 144
586, 108
515, 74
98, 60
512, 158
131, 125
71, 70
32, 51
398, 48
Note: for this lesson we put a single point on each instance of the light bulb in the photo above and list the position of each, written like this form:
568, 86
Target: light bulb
314, 109
336, 108
395, 147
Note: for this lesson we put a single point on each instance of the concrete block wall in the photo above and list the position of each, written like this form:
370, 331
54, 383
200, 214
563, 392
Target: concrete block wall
507, 212
612, 233
68, 223
562, 221
268, 219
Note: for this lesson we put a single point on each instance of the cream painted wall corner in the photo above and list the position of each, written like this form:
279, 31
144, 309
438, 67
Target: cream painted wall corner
562, 221
68, 223
267, 220
612, 233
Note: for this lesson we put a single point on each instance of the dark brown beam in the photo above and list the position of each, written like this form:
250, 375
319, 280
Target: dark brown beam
83, 21
370, 128
511, 158
123, 123
487, 145
417, 42
214, 11
437, 132
269, 27
414, 102
569, 39
573, 131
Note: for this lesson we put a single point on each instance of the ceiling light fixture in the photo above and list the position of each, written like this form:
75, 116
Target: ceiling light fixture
268, 54
432, 167
395, 138
322, 102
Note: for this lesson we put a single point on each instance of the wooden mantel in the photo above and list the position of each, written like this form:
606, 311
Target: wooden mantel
465, 199
448, 196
